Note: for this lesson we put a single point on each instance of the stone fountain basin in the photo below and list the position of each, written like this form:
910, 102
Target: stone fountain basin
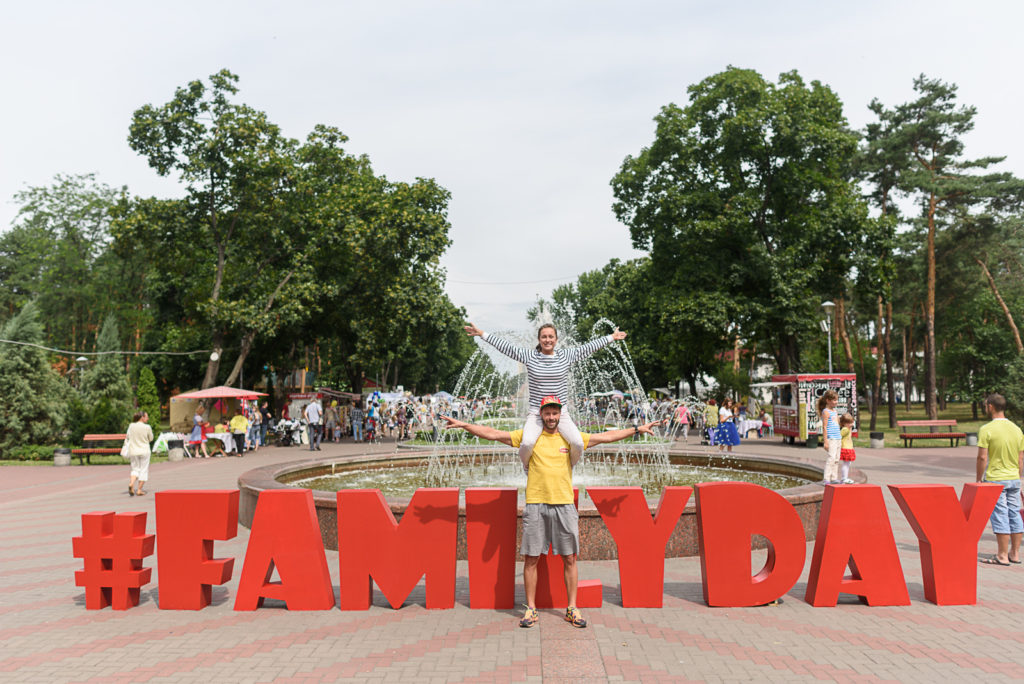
596, 542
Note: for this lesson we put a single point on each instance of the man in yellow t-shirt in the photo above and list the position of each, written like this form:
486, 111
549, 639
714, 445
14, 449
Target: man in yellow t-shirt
1001, 460
549, 517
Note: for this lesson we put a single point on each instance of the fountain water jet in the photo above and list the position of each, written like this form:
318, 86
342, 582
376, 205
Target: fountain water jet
598, 386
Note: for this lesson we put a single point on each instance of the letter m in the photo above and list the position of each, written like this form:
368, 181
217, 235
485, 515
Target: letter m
373, 547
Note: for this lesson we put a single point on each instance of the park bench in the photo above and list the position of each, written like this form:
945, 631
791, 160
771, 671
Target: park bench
933, 433
88, 451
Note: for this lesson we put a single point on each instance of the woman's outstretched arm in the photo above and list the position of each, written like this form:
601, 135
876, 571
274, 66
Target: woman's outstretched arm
583, 351
504, 346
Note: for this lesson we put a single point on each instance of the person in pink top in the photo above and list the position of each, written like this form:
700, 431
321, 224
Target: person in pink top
682, 417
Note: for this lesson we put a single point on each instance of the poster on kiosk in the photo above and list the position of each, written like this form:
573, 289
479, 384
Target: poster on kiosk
795, 400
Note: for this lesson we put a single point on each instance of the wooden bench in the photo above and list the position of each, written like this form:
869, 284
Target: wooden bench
932, 433
86, 452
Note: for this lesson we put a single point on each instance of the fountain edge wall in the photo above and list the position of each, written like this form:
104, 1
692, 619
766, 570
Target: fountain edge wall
596, 542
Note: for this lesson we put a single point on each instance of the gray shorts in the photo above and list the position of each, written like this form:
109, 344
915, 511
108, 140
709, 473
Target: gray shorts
555, 525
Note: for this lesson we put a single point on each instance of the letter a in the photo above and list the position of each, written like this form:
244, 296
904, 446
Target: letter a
187, 522
947, 532
854, 531
285, 534
728, 515
373, 547
640, 539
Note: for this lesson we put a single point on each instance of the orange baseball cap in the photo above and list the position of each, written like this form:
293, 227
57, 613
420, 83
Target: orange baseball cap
551, 400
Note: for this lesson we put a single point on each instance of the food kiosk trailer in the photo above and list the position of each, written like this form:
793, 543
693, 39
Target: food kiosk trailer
795, 398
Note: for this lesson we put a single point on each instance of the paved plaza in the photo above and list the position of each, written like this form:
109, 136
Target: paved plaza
47, 635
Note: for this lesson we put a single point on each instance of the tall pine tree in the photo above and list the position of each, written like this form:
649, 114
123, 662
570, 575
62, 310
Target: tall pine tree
105, 387
33, 398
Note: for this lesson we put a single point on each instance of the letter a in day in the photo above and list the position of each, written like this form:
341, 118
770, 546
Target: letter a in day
373, 547
640, 539
728, 515
948, 531
285, 534
187, 522
854, 532
491, 546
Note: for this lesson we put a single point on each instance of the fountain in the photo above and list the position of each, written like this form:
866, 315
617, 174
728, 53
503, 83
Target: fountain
605, 393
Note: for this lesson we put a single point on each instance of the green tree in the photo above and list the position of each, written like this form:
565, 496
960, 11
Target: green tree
747, 204
929, 130
105, 387
246, 263
146, 395
882, 163
56, 254
382, 306
33, 398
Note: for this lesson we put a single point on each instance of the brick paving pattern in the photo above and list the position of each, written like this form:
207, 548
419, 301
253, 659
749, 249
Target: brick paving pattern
46, 635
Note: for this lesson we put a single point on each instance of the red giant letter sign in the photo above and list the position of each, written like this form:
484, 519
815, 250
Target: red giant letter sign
285, 534
112, 547
948, 531
640, 540
187, 522
728, 514
491, 546
373, 547
551, 582
854, 531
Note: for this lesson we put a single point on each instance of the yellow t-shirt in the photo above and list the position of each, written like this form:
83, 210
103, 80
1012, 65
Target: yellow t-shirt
550, 477
846, 438
1004, 442
239, 424
711, 415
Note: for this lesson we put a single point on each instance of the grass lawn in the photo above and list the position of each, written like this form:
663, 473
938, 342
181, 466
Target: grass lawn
961, 413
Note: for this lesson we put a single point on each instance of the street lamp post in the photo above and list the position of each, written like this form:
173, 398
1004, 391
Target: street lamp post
827, 327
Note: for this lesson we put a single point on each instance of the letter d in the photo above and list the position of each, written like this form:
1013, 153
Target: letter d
728, 515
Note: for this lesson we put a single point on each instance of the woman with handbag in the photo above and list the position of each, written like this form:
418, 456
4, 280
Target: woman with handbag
136, 447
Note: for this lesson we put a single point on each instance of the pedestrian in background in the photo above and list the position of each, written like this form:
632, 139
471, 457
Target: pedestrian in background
1001, 461
239, 426
265, 417
356, 415
832, 433
331, 421
313, 414
137, 440
682, 417
847, 454
197, 439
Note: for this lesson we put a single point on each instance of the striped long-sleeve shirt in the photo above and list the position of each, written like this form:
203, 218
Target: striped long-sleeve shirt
547, 373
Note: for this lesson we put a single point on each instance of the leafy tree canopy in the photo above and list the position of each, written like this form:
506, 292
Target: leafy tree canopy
747, 202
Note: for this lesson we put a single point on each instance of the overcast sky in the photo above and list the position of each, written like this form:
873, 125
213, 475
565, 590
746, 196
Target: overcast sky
523, 110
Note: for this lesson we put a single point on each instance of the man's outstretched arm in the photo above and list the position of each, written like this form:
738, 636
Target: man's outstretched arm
617, 435
481, 431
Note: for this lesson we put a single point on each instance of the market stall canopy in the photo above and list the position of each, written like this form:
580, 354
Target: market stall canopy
339, 395
222, 392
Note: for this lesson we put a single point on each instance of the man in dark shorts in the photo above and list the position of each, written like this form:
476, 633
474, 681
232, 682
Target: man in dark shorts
549, 517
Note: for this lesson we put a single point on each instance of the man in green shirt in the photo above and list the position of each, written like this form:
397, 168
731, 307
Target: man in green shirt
1001, 460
